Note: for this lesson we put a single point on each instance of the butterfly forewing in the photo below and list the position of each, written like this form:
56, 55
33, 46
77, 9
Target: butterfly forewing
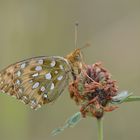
36, 81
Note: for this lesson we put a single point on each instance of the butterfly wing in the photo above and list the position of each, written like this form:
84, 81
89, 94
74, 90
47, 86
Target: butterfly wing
36, 81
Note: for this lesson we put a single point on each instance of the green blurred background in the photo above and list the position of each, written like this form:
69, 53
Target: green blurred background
46, 27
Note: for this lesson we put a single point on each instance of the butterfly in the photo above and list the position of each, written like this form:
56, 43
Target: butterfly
40, 80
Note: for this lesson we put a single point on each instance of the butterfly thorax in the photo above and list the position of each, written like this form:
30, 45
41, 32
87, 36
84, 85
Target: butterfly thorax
75, 61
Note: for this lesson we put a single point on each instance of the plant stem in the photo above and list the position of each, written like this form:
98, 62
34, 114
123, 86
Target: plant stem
132, 98
100, 129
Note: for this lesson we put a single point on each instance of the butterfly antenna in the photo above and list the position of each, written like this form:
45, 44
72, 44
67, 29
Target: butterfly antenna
76, 34
85, 46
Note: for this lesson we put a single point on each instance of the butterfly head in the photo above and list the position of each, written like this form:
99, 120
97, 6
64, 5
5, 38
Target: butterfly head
75, 56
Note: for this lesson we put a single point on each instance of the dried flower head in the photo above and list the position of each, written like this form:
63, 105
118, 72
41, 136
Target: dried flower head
93, 90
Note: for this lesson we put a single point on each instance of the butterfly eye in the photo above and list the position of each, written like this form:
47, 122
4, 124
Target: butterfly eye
78, 57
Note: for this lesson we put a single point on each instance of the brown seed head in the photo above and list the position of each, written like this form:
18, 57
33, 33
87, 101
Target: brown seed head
92, 90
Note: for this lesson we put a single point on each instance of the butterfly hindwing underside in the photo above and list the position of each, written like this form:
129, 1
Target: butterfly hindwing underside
36, 81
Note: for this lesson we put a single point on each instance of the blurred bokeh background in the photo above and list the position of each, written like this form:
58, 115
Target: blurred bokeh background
46, 27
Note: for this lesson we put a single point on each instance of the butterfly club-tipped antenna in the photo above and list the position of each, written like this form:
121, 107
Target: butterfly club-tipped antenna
78, 51
76, 57
76, 38
76, 34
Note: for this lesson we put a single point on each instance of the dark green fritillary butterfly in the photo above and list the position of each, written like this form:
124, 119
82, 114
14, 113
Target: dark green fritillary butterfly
40, 80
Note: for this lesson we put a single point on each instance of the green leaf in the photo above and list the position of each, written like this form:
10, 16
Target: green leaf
124, 97
71, 122
120, 97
